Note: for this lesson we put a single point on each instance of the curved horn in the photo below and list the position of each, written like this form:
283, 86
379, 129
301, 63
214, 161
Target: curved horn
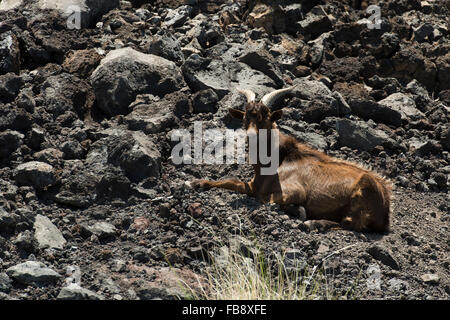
248, 93
270, 98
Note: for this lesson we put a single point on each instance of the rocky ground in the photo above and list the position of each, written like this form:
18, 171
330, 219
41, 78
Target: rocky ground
89, 194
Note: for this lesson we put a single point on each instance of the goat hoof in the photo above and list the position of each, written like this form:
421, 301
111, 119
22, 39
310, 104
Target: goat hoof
196, 185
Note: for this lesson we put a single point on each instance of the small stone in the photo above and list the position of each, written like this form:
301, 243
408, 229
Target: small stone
195, 210
8, 220
205, 101
5, 283
384, 256
47, 234
10, 141
323, 248
33, 272
75, 292
374, 279
141, 223
430, 278
118, 265
102, 230
165, 210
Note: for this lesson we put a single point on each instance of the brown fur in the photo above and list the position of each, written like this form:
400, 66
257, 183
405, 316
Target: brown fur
335, 193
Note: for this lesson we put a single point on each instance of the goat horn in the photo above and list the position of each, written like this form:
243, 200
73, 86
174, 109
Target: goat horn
248, 93
270, 98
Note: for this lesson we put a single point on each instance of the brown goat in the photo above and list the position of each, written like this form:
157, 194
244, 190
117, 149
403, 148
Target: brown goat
335, 193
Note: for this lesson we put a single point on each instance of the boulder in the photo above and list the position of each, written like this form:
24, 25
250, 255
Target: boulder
259, 59
132, 151
34, 173
223, 74
151, 114
404, 104
167, 46
66, 92
359, 135
90, 11
125, 73
368, 109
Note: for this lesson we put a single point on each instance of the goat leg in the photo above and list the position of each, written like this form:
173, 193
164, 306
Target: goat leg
229, 184
322, 225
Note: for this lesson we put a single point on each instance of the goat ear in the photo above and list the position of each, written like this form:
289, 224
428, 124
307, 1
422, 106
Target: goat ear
276, 115
236, 113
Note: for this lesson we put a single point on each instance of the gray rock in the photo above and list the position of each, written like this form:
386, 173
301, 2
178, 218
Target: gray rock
309, 89
50, 155
74, 292
344, 107
259, 59
65, 92
423, 148
416, 87
134, 152
317, 48
103, 230
384, 256
5, 283
205, 101
202, 74
72, 149
151, 114
430, 278
47, 234
118, 265
7, 220
25, 241
34, 173
398, 285
368, 109
177, 17
9, 86
166, 46
10, 141
316, 22
374, 277
10, 4
320, 108
9, 53
404, 104
423, 31
90, 10
37, 136
359, 135
313, 139
33, 272
125, 73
